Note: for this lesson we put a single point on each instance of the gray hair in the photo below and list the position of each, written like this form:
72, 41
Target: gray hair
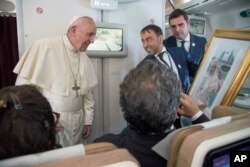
149, 97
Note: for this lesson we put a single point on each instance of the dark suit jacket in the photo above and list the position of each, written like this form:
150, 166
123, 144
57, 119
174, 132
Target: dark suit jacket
196, 52
140, 145
179, 57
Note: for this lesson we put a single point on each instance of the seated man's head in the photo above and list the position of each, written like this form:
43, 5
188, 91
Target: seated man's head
152, 38
149, 97
27, 122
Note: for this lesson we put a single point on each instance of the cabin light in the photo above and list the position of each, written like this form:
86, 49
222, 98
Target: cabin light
185, 1
207, 13
7, 6
104, 4
225, 2
179, 1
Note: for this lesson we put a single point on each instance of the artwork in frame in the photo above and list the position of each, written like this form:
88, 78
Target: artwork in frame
223, 70
197, 26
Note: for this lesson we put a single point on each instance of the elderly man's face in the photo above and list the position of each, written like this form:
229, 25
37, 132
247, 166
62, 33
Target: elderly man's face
85, 34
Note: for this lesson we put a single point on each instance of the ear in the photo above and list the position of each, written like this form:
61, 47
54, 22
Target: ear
3, 104
72, 29
161, 38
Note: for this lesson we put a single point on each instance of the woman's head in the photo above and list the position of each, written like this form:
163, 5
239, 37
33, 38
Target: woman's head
27, 123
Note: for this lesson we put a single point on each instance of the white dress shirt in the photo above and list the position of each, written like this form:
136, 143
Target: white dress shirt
167, 59
186, 44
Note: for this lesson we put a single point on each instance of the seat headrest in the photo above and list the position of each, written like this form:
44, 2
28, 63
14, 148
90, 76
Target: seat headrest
216, 122
222, 111
159, 148
123, 164
167, 142
196, 145
48, 156
112, 158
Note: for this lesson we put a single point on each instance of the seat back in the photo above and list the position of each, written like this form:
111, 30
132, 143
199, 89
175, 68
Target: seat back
176, 143
222, 111
190, 146
58, 154
196, 146
47, 156
99, 147
112, 158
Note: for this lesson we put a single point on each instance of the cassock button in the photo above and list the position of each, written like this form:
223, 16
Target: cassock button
179, 66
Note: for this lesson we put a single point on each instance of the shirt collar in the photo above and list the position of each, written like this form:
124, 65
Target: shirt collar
68, 43
163, 50
166, 131
187, 39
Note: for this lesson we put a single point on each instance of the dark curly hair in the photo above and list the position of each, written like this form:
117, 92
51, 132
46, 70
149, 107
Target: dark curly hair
149, 97
27, 123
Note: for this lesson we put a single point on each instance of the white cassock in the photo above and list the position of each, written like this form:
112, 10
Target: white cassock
210, 84
47, 65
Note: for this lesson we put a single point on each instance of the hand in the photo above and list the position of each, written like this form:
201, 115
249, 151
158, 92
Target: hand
188, 107
86, 131
202, 106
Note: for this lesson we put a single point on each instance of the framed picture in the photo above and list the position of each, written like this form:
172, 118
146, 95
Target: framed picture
197, 26
223, 70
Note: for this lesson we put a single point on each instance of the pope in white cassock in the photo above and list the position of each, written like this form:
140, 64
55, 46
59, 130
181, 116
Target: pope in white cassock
65, 75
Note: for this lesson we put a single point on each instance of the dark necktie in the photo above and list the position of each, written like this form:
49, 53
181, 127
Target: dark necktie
182, 44
161, 58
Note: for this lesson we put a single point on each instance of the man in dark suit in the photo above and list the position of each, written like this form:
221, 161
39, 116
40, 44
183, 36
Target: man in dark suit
194, 45
174, 58
150, 95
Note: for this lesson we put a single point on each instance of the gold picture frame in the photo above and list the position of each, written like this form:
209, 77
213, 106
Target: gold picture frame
223, 70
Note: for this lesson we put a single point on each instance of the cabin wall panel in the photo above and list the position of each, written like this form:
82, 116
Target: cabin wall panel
230, 19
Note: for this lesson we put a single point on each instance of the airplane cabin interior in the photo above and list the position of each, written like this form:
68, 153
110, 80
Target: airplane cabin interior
225, 24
